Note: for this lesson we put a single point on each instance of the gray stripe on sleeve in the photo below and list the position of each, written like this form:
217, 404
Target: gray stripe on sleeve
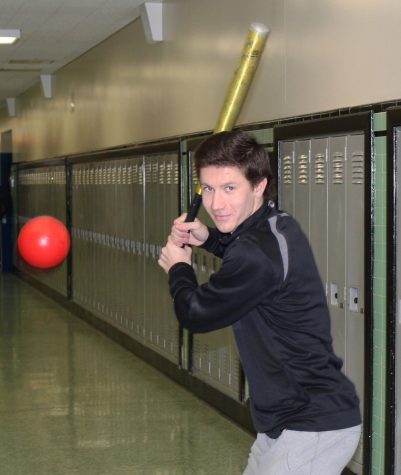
282, 243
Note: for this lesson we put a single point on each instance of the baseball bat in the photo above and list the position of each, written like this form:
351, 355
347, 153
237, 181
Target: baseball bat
254, 44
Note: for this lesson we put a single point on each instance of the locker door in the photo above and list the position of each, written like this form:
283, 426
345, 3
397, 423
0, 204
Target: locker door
165, 324
318, 205
125, 211
397, 448
355, 260
96, 189
108, 261
152, 199
336, 242
302, 184
101, 250
355, 271
286, 195
137, 248
171, 332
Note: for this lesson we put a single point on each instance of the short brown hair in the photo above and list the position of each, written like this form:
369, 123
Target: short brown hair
241, 150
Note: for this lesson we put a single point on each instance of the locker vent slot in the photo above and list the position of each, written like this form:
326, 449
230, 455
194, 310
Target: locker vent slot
236, 372
320, 169
135, 173
194, 174
176, 174
141, 171
225, 362
287, 170
130, 174
338, 168
169, 173
303, 169
96, 179
162, 173
148, 171
357, 168
205, 353
155, 172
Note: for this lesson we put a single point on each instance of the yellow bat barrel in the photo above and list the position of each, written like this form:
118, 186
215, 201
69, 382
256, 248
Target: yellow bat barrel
239, 86
241, 81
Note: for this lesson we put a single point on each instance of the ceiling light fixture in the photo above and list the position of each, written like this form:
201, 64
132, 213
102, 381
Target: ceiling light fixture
8, 37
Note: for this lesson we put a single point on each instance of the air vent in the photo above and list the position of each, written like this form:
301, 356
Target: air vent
155, 170
109, 175
148, 171
357, 168
130, 174
194, 174
287, 170
97, 176
169, 173
338, 168
85, 176
176, 174
303, 170
119, 178
162, 173
135, 173
320, 169
140, 175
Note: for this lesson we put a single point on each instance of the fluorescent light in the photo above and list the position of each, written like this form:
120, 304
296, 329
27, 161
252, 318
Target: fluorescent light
8, 37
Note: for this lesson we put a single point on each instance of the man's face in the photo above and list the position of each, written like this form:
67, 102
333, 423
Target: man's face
228, 197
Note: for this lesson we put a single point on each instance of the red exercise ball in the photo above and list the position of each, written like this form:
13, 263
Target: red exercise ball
43, 242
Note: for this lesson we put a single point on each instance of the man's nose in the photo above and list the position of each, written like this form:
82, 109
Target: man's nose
218, 200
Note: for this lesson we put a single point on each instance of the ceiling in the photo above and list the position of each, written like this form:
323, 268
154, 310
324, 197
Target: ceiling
53, 33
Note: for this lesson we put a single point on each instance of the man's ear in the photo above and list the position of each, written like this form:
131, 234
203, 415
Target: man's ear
260, 187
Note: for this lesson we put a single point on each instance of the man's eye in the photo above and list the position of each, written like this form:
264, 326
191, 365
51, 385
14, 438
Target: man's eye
206, 188
229, 188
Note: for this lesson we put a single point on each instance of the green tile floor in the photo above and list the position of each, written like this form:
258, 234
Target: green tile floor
74, 402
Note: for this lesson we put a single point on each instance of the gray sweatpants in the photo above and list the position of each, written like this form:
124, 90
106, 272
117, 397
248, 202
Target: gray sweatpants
303, 453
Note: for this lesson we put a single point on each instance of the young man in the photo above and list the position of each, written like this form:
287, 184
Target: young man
305, 411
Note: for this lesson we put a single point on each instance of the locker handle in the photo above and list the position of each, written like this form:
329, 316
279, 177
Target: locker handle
353, 299
334, 294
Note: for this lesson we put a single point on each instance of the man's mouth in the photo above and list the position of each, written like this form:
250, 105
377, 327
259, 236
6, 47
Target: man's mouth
221, 217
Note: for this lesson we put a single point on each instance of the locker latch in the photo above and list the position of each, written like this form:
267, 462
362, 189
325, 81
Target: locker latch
353, 299
334, 294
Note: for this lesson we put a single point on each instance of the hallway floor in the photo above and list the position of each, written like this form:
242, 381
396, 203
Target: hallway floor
74, 402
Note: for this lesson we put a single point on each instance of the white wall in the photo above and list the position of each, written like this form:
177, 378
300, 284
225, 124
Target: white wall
321, 55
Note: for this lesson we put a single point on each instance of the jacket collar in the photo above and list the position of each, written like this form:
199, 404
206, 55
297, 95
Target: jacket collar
265, 209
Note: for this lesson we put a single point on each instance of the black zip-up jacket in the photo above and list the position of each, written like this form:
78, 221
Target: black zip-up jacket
269, 289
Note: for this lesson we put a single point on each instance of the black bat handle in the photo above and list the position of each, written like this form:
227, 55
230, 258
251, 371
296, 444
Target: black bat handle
194, 208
